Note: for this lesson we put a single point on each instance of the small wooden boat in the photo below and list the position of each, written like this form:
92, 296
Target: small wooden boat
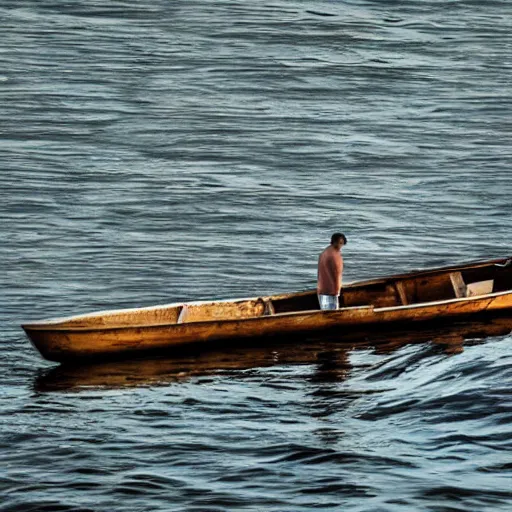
414, 300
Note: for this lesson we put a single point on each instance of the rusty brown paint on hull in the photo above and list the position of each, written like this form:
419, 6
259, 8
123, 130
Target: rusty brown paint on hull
163, 369
163, 327
59, 345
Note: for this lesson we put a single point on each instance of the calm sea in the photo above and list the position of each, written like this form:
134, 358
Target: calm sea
152, 152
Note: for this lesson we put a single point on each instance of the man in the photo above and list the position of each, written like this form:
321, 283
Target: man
330, 271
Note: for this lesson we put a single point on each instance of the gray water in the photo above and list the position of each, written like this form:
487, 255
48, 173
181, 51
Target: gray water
166, 151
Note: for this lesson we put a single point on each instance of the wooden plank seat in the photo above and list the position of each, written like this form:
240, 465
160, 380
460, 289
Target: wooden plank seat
480, 288
462, 289
402, 293
183, 314
269, 307
459, 286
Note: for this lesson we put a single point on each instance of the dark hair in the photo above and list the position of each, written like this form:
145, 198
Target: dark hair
336, 237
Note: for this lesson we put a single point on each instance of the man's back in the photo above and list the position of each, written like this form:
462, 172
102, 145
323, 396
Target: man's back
330, 270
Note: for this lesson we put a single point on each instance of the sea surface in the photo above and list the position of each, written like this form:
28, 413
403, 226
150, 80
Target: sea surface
153, 152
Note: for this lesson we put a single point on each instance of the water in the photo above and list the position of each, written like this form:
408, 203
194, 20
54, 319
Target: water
164, 151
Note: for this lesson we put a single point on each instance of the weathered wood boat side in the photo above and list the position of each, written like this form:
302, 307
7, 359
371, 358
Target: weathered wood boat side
424, 296
329, 355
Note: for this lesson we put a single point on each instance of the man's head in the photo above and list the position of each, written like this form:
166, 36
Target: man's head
338, 240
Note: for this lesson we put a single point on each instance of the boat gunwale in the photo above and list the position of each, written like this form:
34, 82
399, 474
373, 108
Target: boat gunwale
50, 327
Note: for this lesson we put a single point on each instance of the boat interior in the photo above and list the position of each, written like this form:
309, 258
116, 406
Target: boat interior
402, 290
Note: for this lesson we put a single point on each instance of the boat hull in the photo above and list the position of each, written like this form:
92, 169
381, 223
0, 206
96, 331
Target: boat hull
63, 344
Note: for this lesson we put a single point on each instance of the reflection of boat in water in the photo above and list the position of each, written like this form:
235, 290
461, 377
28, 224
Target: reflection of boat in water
410, 299
329, 356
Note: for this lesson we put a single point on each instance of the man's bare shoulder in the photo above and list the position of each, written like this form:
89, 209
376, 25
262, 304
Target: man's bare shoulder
326, 252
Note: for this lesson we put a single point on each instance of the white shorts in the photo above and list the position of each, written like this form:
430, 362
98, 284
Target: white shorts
328, 301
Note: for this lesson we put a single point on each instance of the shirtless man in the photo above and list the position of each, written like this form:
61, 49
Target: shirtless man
330, 271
